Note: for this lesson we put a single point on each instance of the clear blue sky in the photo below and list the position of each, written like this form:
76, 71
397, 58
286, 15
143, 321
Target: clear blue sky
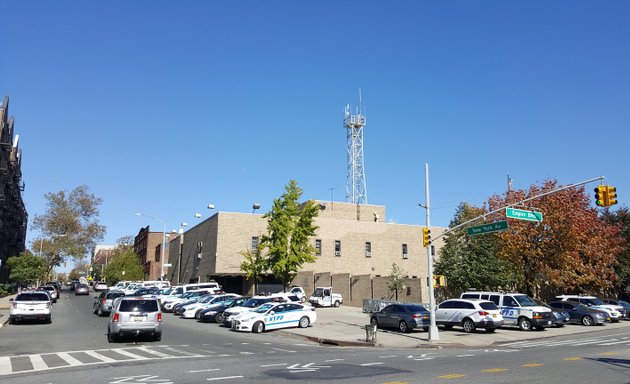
163, 107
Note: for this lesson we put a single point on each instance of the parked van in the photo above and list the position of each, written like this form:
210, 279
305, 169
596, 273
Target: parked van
517, 309
196, 286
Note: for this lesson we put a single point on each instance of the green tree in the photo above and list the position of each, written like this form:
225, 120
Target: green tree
124, 265
289, 228
26, 268
621, 219
254, 266
69, 227
396, 279
471, 261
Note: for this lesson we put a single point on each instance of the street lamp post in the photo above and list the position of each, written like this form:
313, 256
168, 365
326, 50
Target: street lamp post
163, 241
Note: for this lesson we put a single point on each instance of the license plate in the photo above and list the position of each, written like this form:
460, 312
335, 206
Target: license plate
139, 318
494, 316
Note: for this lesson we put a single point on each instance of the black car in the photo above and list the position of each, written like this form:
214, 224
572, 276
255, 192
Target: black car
622, 303
580, 313
215, 313
404, 317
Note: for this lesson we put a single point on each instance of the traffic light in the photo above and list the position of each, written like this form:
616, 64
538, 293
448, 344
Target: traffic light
612, 196
426, 236
601, 196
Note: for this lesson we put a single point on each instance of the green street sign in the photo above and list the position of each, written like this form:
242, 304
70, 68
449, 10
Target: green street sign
522, 214
487, 228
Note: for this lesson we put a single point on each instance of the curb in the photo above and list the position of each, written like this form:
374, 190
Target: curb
328, 342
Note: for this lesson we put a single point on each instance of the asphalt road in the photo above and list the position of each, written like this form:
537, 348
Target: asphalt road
74, 349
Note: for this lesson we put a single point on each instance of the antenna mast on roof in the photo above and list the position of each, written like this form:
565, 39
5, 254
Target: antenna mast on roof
356, 189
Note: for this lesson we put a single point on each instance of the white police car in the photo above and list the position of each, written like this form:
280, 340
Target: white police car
274, 316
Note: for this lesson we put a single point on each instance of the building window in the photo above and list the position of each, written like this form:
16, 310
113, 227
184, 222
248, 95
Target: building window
337, 247
255, 242
318, 247
368, 249
404, 251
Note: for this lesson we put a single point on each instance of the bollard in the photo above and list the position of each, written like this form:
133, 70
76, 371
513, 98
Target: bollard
370, 333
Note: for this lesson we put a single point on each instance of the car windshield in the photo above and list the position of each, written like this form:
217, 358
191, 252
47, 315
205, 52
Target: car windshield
595, 302
32, 297
138, 306
525, 301
264, 308
251, 303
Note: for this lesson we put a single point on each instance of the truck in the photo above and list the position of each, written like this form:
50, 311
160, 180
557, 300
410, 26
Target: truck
324, 297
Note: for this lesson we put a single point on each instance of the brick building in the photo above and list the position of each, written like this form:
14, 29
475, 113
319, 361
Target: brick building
13, 216
355, 245
148, 246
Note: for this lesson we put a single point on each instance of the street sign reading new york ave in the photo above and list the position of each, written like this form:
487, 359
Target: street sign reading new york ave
487, 228
522, 214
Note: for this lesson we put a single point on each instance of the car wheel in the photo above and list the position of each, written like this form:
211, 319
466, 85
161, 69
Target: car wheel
99, 312
524, 324
258, 327
468, 326
490, 330
219, 318
374, 321
303, 299
157, 337
11, 320
337, 304
111, 338
403, 327
198, 314
559, 325
587, 320
304, 322
94, 311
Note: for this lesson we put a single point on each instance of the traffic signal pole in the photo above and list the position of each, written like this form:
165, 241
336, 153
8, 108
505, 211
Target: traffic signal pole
434, 335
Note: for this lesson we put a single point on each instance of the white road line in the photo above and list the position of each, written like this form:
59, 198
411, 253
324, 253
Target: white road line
5, 365
129, 354
615, 342
204, 370
97, 355
465, 355
328, 361
247, 353
38, 362
69, 359
180, 351
224, 378
387, 356
152, 352
368, 364
273, 365
283, 350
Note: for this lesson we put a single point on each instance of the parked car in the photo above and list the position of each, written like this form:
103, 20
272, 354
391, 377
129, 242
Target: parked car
215, 312
300, 293
404, 317
250, 304
470, 314
621, 303
614, 311
169, 302
104, 302
275, 316
135, 316
580, 313
147, 292
560, 316
100, 286
81, 289
31, 305
51, 290
191, 311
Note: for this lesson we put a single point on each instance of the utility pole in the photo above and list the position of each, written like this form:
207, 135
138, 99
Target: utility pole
434, 334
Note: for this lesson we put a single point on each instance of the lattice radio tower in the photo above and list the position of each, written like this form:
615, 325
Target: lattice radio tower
356, 189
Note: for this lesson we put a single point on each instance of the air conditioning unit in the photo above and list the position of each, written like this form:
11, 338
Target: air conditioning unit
368, 254
404, 255
337, 253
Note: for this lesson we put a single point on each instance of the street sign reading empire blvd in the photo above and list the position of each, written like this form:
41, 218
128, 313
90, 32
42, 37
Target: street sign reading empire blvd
487, 228
523, 214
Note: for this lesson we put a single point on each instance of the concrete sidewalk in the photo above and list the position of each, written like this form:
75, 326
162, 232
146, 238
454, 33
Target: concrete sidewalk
345, 326
5, 305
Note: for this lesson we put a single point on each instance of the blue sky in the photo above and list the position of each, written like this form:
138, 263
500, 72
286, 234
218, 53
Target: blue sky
163, 107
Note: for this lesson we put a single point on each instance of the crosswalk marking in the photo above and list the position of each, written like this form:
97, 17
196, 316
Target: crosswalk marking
69, 359
38, 363
152, 352
5, 364
129, 354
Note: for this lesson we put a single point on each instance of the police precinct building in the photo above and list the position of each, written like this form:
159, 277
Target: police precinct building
355, 251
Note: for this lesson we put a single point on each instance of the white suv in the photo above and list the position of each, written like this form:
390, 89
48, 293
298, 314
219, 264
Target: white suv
31, 305
470, 314
615, 312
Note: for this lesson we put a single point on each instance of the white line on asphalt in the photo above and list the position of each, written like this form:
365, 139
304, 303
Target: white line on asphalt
38, 362
247, 353
224, 378
204, 370
615, 342
97, 355
387, 356
180, 351
205, 350
129, 354
303, 370
152, 352
245, 343
273, 365
69, 359
368, 364
328, 361
283, 350
465, 355
5, 365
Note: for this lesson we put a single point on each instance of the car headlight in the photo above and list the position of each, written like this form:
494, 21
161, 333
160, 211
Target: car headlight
599, 315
